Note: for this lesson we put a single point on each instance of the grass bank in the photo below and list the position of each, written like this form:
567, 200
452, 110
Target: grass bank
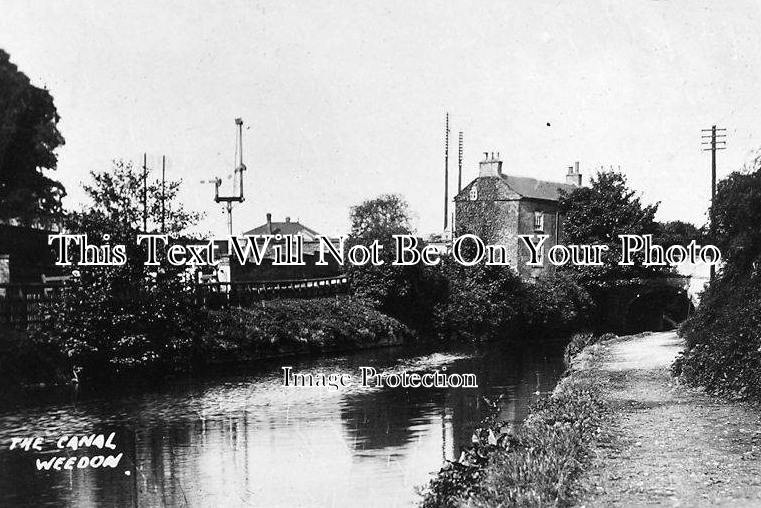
286, 327
541, 462
99, 351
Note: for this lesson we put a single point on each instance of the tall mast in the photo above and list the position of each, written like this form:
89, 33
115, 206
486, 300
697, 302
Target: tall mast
446, 174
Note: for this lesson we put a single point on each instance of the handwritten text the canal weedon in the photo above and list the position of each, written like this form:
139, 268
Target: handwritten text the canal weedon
65, 444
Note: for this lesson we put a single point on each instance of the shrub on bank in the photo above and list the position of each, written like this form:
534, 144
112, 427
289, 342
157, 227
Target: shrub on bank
103, 327
538, 464
723, 339
480, 302
492, 302
164, 331
581, 340
299, 326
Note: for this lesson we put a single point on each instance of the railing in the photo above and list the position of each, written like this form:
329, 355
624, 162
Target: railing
215, 294
24, 304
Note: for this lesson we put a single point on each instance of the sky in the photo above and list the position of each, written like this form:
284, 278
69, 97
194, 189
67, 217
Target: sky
343, 101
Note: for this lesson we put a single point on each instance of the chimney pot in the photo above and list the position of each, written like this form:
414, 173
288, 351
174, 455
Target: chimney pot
574, 175
491, 166
287, 219
269, 223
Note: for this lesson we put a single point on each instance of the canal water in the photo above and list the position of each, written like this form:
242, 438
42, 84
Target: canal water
240, 438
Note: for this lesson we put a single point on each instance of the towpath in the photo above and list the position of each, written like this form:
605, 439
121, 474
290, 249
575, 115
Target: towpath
671, 445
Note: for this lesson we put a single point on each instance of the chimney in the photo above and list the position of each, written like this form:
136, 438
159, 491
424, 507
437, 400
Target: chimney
574, 175
491, 166
269, 223
287, 219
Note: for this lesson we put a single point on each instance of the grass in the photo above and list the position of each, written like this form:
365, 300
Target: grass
281, 327
538, 464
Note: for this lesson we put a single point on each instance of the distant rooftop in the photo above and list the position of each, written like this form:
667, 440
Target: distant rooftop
284, 228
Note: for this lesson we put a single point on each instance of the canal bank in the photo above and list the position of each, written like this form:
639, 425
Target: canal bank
618, 430
539, 462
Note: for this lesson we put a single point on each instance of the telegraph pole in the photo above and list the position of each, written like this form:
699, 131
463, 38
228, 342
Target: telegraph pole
713, 139
459, 164
163, 192
446, 175
145, 192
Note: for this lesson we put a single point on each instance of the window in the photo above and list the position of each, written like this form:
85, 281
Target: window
473, 193
539, 221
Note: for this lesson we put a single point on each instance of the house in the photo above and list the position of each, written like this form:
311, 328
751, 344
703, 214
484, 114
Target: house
266, 271
498, 207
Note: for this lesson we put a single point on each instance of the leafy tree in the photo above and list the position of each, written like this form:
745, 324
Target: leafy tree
724, 336
482, 302
597, 215
380, 219
405, 292
115, 318
735, 218
28, 138
116, 204
677, 233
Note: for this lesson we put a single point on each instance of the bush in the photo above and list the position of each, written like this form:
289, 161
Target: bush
581, 340
299, 326
539, 464
408, 293
105, 329
557, 303
489, 302
723, 339
481, 302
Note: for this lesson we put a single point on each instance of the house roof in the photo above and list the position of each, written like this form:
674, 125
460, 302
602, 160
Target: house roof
286, 228
309, 235
536, 189
510, 187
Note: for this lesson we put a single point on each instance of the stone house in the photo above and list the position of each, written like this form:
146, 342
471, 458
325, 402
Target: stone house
498, 207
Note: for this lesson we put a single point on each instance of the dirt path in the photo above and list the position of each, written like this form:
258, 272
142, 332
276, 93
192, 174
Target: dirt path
672, 445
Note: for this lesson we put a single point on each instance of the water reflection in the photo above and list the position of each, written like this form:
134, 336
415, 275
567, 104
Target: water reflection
245, 440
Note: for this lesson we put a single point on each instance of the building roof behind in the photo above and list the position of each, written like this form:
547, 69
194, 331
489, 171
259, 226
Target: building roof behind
286, 228
536, 189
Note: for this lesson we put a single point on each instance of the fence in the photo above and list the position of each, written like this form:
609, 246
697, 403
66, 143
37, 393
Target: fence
216, 294
25, 304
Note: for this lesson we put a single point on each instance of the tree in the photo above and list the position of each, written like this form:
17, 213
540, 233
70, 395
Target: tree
735, 218
597, 215
678, 233
380, 219
114, 318
28, 138
405, 292
116, 198
723, 337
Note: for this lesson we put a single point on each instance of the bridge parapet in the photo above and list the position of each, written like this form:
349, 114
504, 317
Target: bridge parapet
632, 305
